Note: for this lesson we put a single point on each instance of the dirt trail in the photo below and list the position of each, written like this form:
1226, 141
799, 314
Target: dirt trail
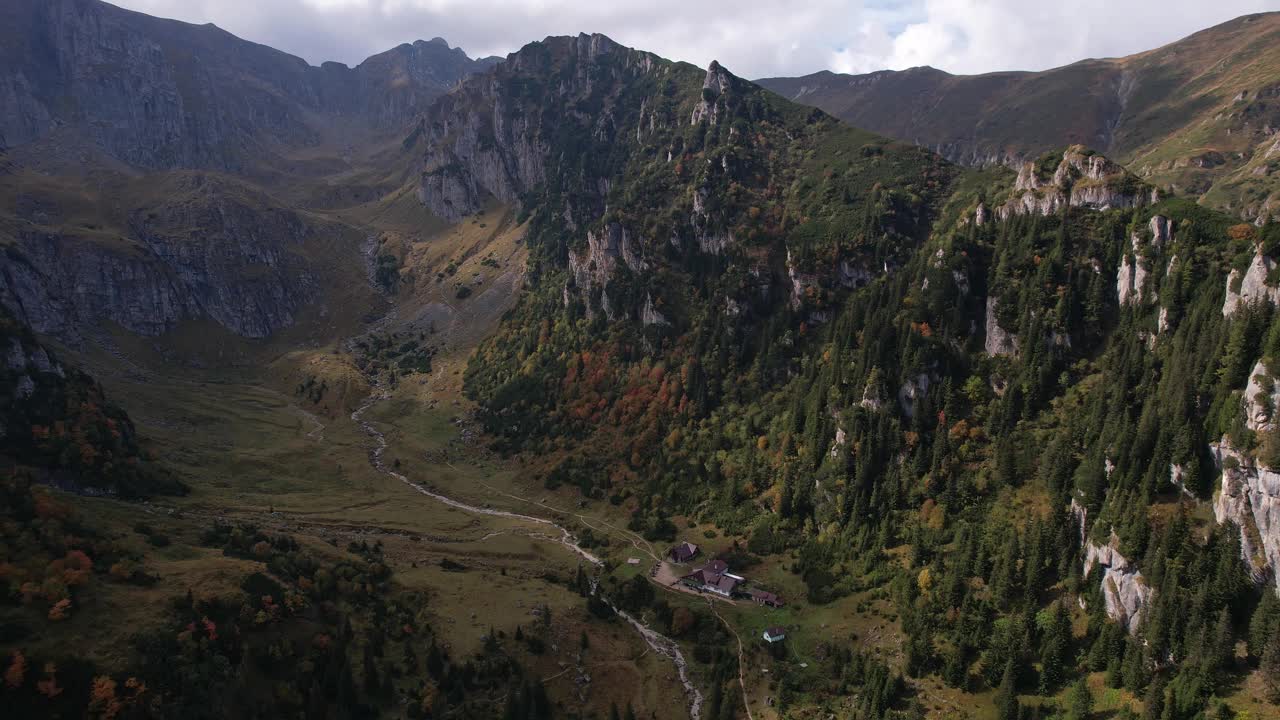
742, 660
659, 643
666, 581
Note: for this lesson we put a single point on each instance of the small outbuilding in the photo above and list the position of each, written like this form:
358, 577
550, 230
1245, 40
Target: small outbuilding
684, 552
766, 598
775, 635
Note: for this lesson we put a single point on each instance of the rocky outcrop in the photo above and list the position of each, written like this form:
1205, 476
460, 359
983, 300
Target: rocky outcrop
912, 389
1261, 399
838, 442
854, 276
1081, 179
1161, 230
800, 282
1251, 286
27, 361
604, 248
48, 408
713, 86
1250, 498
1133, 276
649, 315
711, 238
1124, 591
873, 392
998, 340
1125, 594
1249, 495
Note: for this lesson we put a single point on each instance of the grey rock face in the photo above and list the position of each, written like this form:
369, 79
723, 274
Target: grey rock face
716, 82
1133, 276
1124, 590
1252, 287
1080, 180
911, 389
1125, 593
1250, 498
604, 248
649, 314
485, 140
1261, 399
161, 94
998, 340
25, 363
800, 283
1249, 495
207, 253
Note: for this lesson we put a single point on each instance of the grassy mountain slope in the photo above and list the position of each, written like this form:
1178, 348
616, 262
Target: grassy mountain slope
1197, 116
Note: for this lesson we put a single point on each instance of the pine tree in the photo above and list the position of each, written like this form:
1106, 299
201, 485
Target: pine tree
1080, 701
1007, 706
1054, 650
1270, 668
1153, 701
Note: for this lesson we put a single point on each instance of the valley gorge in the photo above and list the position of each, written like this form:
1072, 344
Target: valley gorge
393, 390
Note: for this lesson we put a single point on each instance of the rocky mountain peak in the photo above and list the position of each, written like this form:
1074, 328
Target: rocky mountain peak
161, 94
491, 137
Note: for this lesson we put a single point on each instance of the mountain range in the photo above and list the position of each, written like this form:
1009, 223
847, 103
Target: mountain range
396, 363
1198, 116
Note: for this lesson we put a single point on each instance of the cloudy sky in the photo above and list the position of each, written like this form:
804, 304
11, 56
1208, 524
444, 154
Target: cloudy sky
753, 38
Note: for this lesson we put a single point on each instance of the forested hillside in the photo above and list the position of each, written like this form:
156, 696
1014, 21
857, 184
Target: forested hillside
830, 344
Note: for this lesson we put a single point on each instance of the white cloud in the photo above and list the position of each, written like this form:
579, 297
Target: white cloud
753, 38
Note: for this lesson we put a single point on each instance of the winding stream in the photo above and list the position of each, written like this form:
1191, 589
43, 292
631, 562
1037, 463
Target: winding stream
658, 642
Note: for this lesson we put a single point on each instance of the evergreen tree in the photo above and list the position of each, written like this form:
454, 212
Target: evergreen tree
1079, 701
1055, 648
1007, 705
1270, 667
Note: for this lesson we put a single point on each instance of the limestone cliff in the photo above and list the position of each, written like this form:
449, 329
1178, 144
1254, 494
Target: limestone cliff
1249, 495
1134, 273
605, 247
1251, 286
201, 247
1124, 590
1250, 498
998, 340
1080, 178
1125, 593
